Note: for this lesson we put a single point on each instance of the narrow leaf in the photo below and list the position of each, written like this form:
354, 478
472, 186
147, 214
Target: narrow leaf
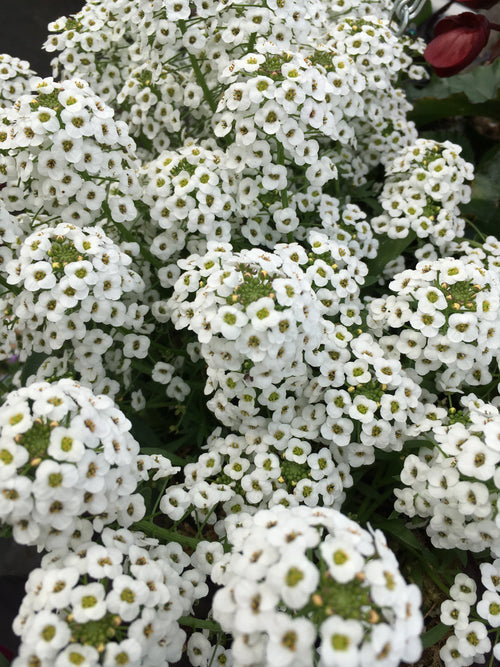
433, 635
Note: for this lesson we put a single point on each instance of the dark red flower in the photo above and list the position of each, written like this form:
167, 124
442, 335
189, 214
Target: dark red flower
458, 40
478, 4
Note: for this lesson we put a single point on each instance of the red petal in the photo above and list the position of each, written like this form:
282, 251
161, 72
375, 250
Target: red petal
466, 20
457, 42
478, 4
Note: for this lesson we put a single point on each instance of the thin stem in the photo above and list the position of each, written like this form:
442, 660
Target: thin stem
10, 288
159, 497
200, 79
281, 160
169, 535
478, 232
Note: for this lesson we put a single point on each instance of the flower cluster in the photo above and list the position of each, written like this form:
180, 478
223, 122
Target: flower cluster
75, 293
265, 468
255, 315
300, 576
192, 211
63, 154
141, 59
446, 313
422, 192
65, 454
470, 642
191, 194
455, 482
15, 75
116, 601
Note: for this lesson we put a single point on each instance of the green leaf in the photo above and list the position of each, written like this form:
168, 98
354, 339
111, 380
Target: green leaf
484, 206
147, 494
430, 109
479, 85
3, 661
424, 14
143, 433
416, 444
388, 250
408, 538
433, 635
31, 365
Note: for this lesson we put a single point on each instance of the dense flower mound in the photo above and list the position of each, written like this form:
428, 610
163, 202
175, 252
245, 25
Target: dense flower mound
267, 467
191, 194
302, 577
455, 483
470, 642
64, 454
423, 189
116, 601
222, 239
74, 296
140, 58
255, 313
446, 314
62, 153
67, 277
15, 75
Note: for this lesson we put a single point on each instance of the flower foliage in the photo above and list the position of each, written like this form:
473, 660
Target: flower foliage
244, 314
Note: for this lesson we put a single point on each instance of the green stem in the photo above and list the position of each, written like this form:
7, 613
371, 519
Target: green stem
251, 42
10, 288
153, 530
199, 623
129, 236
478, 232
281, 160
159, 497
200, 79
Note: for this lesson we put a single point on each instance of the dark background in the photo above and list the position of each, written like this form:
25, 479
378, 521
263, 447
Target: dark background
23, 28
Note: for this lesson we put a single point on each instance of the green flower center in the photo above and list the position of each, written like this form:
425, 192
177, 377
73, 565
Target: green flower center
95, 633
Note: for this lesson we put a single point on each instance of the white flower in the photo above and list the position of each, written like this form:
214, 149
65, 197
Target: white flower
343, 560
229, 321
85, 656
340, 641
473, 639
262, 314
126, 652
489, 608
464, 588
291, 641
88, 602
199, 650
